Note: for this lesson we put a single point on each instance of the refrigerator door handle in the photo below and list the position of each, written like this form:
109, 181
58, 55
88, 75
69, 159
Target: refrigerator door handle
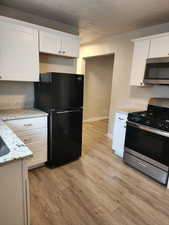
68, 111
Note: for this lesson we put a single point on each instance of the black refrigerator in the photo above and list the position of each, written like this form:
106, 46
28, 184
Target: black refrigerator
61, 96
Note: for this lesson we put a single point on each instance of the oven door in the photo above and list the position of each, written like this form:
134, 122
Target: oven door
149, 144
157, 71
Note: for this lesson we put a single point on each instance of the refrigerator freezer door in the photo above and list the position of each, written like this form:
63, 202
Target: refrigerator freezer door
67, 91
59, 92
65, 134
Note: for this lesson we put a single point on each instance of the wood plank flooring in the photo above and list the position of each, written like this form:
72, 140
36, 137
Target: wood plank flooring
99, 189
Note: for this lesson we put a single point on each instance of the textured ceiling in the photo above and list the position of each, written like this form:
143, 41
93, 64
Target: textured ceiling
98, 18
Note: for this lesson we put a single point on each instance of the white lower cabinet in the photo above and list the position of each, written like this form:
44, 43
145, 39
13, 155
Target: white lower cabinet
33, 132
14, 193
119, 131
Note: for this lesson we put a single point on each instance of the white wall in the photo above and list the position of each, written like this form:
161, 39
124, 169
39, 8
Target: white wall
98, 80
16, 95
123, 95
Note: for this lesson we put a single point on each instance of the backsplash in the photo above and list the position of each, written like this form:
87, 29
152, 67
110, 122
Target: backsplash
16, 95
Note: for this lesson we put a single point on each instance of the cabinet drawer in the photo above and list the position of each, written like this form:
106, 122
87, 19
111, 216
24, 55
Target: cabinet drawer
38, 147
33, 136
38, 157
22, 125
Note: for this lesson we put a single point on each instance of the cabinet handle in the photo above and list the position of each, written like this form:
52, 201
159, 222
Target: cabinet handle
120, 118
60, 51
64, 52
0, 77
28, 125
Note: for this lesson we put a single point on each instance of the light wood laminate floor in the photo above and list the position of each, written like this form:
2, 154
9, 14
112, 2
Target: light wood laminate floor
99, 189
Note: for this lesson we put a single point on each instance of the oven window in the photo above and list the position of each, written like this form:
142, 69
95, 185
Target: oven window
151, 145
157, 71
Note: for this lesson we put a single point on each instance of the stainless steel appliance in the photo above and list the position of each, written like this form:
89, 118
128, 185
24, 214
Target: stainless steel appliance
147, 140
61, 95
157, 71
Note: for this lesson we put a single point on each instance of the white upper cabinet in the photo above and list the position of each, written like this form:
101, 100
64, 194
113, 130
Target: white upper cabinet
19, 55
159, 47
49, 43
58, 43
140, 54
70, 46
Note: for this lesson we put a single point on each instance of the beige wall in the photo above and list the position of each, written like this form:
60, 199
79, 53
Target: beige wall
124, 95
49, 63
16, 95
98, 82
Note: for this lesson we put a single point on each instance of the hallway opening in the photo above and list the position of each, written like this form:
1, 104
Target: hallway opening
98, 85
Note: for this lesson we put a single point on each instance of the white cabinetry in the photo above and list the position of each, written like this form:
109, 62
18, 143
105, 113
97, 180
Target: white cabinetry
119, 131
33, 132
140, 54
58, 43
70, 46
49, 43
19, 56
14, 194
159, 47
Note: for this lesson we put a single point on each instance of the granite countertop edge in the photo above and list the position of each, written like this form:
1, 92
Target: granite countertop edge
18, 149
14, 114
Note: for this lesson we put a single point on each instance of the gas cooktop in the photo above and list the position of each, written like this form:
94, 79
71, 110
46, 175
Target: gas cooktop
155, 116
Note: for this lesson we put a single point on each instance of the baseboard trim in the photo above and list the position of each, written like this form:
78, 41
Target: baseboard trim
96, 119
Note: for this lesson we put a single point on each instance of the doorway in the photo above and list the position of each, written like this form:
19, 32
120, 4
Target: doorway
98, 85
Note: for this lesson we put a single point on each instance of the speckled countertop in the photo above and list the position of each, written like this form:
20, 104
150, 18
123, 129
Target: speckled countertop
128, 110
18, 149
13, 114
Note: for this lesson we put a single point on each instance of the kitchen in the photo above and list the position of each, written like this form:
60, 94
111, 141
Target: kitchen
98, 188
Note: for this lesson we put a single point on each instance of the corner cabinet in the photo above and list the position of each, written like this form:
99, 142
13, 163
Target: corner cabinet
19, 54
140, 55
59, 43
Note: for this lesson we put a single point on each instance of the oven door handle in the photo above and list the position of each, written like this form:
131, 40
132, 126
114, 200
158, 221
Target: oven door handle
149, 129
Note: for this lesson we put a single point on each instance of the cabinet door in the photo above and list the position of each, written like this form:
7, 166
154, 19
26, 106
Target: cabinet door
140, 54
50, 43
70, 46
13, 203
19, 56
159, 47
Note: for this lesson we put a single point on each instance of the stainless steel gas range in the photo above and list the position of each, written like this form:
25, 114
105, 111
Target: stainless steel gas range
147, 140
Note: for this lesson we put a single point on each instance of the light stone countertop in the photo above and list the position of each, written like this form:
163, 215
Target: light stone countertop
129, 110
18, 149
13, 114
